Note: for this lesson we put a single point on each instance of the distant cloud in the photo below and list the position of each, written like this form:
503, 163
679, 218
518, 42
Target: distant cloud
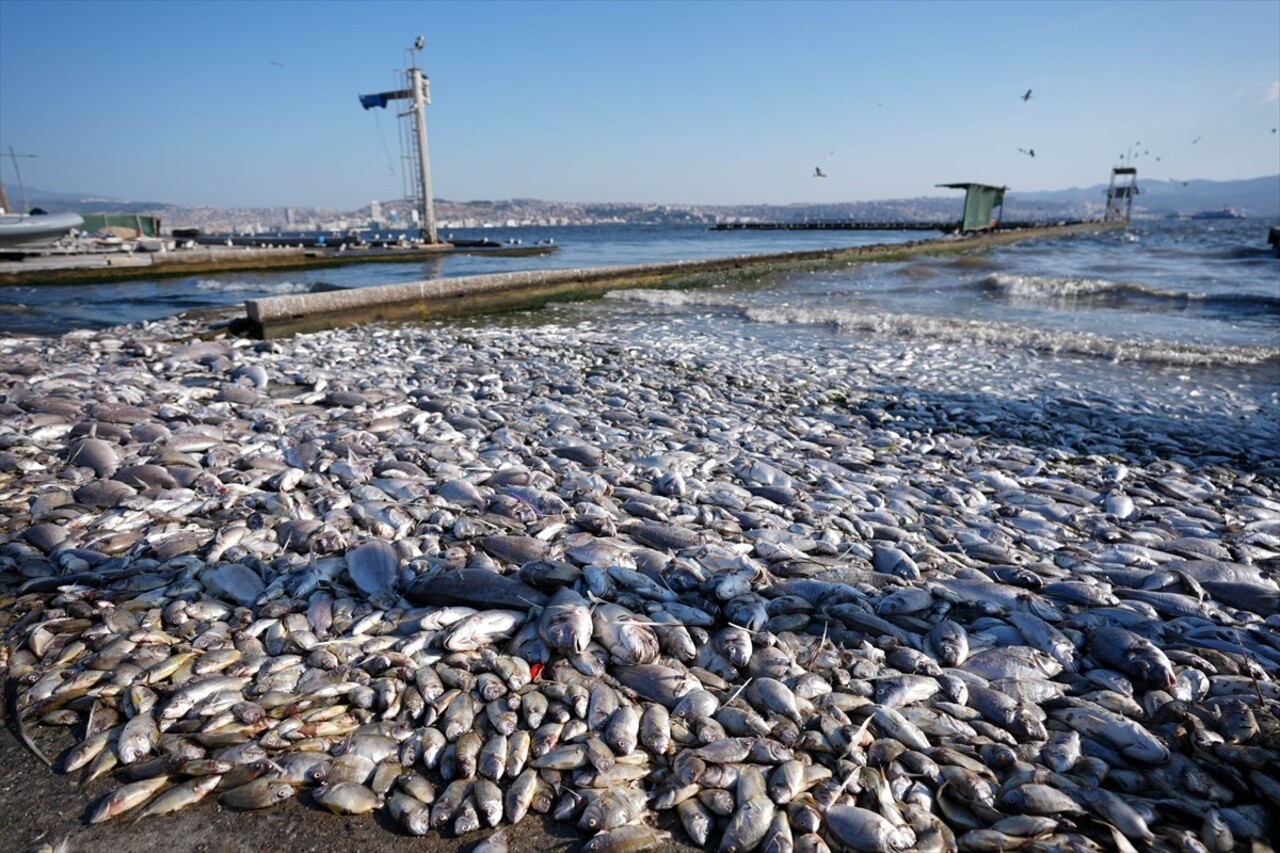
1272, 93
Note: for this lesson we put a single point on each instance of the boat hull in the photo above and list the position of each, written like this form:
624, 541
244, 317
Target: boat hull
25, 232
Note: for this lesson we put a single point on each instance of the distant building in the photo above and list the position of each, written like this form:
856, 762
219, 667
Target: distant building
375, 212
288, 216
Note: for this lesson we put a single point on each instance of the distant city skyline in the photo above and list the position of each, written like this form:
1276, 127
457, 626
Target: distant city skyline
254, 105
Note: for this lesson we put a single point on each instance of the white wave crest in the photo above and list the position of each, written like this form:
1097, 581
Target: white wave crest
950, 330
668, 298
278, 288
1030, 286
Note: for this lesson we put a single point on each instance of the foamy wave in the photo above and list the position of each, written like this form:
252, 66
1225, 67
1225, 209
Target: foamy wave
949, 330
279, 288
1111, 292
1032, 286
669, 298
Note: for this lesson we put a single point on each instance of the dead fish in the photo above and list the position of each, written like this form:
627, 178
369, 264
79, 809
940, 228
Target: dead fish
1133, 655
482, 629
94, 453
565, 623
373, 567
346, 798
180, 796
234, 582
125, 798
474, 588
259, 794
624, 634
862, 830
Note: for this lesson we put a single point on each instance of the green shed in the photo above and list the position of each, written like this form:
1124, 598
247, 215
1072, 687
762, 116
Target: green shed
979, 201
130, 224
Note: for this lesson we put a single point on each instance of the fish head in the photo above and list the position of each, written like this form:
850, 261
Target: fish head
1153, 668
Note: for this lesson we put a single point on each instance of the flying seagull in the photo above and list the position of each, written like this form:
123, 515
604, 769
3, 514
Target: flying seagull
1027, 96
418, 43
1197, 139
818, 173
1030, 152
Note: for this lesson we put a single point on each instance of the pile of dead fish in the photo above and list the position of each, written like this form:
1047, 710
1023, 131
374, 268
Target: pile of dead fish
465, 576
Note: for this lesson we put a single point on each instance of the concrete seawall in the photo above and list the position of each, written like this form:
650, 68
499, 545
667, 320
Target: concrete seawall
97, 267
451, 297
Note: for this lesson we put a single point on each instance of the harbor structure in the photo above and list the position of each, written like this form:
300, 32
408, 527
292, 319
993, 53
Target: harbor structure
1120, 193
980, 200
418, 90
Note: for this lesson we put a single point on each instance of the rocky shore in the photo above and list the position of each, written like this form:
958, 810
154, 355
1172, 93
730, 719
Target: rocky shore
647, 589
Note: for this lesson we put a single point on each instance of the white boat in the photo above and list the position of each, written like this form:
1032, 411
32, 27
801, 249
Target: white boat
23, 232
1225, 213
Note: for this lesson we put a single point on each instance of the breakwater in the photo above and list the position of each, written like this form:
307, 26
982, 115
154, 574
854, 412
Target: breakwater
204, 260
282, 315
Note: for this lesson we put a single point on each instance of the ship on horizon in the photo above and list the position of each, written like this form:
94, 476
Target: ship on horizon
1224, 213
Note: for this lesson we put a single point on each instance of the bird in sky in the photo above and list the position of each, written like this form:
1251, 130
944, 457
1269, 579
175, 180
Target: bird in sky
1030, 152
418, 43
818, 173
1027, 96
1197, 139
277, 64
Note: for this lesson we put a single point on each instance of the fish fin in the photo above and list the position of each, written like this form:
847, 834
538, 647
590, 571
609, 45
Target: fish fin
14, 718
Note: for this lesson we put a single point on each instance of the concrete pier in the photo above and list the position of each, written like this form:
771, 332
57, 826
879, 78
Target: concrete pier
90, 267
433, 299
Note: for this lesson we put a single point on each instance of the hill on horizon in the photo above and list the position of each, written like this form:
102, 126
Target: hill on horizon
1255, 197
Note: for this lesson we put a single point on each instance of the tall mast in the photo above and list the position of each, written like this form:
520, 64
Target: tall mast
4, 199
419, 91
421, 88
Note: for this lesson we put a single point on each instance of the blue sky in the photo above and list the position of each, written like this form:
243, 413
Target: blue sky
255, 103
